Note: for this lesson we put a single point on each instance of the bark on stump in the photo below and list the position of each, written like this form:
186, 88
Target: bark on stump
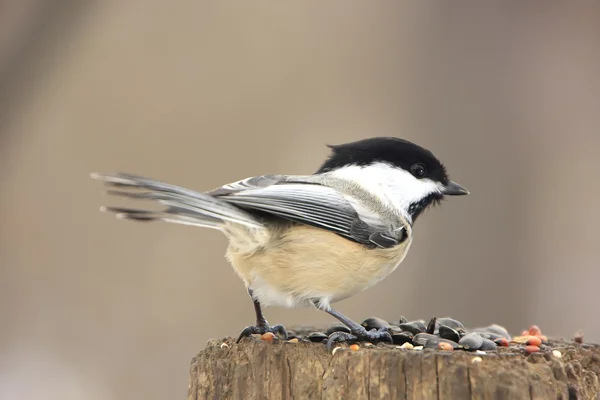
255, 369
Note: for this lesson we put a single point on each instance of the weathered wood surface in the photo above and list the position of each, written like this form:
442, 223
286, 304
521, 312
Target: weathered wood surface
258, 370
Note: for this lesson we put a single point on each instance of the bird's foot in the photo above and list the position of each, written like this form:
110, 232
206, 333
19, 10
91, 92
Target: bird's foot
360, 335
262, 329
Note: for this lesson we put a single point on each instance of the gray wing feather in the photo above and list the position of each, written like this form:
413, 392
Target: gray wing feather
298, 199
254, 182
184, 205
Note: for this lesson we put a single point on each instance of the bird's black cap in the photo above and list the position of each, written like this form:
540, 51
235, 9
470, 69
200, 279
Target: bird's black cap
420, 162
397, 152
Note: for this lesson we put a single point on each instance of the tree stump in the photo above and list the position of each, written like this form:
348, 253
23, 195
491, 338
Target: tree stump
255, 369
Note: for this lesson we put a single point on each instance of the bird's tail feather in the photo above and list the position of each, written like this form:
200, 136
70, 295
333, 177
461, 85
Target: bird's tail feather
184, 206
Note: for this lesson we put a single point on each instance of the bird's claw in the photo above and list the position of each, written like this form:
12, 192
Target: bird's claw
337, 337
262, 329
374, 335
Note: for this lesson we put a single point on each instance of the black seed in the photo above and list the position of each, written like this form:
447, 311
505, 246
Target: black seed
337, 328
448, 333
488, 335
488, 345
402, 337
451, 323
317, 337
421, 339
496, 329
413, 327
431, 341
431, 325
292, 335
375, 323
471, 341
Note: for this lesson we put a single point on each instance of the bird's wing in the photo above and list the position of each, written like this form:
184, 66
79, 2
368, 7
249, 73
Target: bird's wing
303, 200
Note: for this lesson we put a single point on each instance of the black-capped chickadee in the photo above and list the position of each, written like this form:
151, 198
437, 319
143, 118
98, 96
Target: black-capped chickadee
309, 240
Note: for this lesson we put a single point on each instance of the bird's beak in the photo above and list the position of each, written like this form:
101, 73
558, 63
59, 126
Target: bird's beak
454, 189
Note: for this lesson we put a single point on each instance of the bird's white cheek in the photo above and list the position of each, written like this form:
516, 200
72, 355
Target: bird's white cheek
396, 185
411, 190
392, 186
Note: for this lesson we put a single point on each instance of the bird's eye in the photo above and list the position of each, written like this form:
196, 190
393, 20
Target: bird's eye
418, 170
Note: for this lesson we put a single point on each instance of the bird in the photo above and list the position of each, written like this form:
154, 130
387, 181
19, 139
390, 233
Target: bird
308, 240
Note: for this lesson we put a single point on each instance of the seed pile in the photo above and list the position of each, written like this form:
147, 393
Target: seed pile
442, 334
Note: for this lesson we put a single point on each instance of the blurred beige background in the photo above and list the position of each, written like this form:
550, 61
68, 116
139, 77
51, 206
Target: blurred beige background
202, 93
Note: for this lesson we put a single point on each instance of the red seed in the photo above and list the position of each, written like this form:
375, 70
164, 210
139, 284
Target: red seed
445, 346
534, 330
544, 338
525, 333
502, 342
534, 341
354, 347
532, 349
268, 337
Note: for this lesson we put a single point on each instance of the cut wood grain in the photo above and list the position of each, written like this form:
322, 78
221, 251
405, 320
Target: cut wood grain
255, 369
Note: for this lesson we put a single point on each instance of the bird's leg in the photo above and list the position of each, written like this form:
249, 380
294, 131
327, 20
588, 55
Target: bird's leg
262, 326
358, 332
